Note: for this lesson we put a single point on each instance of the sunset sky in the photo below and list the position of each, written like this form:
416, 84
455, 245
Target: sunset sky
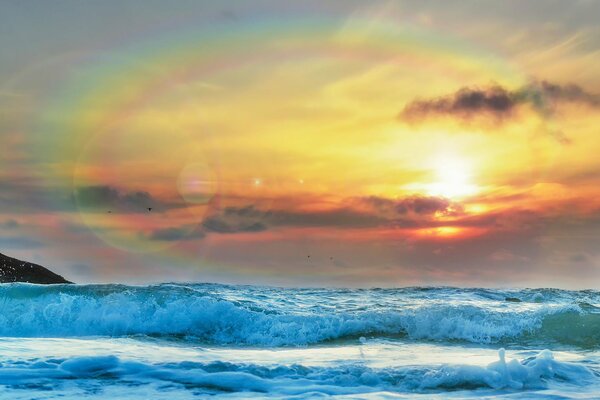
303, 143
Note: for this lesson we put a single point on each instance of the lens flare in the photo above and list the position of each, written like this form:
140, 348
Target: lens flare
197, 183
148, 159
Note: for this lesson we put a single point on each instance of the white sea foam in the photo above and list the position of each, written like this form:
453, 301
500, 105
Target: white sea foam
284, 380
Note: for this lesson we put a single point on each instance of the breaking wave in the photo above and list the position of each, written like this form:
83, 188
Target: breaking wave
243, 316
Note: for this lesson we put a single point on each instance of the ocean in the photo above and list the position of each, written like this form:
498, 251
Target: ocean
189, 341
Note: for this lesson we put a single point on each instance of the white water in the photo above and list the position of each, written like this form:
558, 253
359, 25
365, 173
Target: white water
185, 341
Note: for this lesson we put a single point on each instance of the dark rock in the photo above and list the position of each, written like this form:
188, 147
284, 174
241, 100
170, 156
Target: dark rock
13, 270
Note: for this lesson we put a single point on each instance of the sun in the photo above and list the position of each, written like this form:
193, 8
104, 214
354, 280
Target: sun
450, 177
453, 178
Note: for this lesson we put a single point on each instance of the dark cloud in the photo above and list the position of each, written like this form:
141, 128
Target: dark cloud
218, 224
9, 224
176, 234
465, 103
578, 258
415, 207
341, 218
379, 203
251, 219
413, 211
568, 93
249, 211
104, 197
498, 102
423, 205
31, 196
408, 212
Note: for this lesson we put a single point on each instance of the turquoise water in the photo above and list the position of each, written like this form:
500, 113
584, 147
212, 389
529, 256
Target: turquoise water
181, 341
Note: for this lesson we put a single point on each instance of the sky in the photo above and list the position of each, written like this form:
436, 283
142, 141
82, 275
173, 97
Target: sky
313, 143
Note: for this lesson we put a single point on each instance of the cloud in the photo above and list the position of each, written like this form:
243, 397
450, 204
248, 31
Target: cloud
106, 197
176, 234
408, 216
381, 212
32, 196
29, 196
341, 218
246, 211
497, 101
567, 93
579, 258
423, 205
465, 103
217, 224
251, 219
9, 224
416, 207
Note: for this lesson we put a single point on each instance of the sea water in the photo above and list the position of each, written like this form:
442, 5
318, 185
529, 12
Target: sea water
184, 341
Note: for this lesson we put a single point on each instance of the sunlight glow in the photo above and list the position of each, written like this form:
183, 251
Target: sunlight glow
454, 179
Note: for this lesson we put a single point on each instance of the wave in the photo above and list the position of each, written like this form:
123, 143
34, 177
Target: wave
536, 372
266, 317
